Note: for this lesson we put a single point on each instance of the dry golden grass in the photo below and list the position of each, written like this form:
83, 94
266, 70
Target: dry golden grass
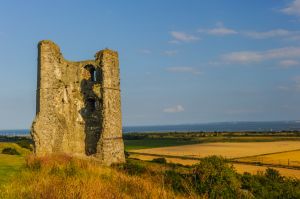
228, 150
289, 158
64, 177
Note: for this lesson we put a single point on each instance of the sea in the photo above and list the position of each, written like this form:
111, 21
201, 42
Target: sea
275, 126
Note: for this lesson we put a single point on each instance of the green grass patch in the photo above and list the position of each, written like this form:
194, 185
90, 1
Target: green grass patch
11, 164
154, 143
144, 141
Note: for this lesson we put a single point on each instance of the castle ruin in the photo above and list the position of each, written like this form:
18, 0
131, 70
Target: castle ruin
78, 105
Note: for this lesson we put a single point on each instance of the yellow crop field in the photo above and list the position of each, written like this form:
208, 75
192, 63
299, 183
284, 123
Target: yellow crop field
169, 160
289, 158
253, 169
240, 168
228, 150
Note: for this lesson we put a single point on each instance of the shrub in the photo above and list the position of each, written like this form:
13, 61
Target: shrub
270, 184
24, 144
132, 167
179, 182
160, 160
10, 151
214, 177
127, 154
273, 175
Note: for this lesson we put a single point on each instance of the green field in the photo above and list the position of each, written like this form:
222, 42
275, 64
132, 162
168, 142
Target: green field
10, 164
134, 141
153, 143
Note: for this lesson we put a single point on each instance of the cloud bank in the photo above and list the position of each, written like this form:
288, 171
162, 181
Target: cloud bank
182, 37
292, 9
257, 56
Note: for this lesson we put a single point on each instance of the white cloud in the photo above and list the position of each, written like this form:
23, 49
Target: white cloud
183, 37
170, 52
190, 70
294, 37
175, 109
219, 30
242, 57
270, 33
288, 63
293, 8
285, 52
288, 35
257, 56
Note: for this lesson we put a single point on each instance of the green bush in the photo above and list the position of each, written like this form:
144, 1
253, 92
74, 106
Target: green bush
160, 160
271, 184
127, 154
273, 175
132, 167
214, 177
179, 182
10, 151
24, 144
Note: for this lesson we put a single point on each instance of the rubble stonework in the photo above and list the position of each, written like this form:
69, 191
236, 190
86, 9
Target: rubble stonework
78, 109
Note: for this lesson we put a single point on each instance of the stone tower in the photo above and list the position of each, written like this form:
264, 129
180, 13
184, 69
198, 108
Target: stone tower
78, 109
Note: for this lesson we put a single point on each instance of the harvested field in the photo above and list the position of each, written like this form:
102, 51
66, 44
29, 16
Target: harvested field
228, 150
289, 158
169, 160
240, 168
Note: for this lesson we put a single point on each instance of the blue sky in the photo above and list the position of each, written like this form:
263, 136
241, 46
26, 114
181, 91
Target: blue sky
181, 61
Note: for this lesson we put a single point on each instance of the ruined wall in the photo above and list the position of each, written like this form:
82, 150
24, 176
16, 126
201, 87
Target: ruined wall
78, 105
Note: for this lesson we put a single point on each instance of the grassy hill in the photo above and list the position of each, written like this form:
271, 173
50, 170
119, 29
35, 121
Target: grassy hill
62, 176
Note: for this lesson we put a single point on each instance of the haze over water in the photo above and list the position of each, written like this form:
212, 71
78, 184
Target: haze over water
207, 127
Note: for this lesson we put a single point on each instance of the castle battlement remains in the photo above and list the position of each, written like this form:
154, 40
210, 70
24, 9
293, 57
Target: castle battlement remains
78, 109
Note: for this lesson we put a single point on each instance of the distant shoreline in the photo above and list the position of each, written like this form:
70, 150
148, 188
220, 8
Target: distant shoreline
275, 126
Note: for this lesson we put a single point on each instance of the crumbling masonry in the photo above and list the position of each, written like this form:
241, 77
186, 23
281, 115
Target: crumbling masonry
78, 109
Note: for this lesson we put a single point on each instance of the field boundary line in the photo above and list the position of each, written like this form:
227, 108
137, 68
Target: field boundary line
267, 165
264, 154
195, 158
228, 159
167, 156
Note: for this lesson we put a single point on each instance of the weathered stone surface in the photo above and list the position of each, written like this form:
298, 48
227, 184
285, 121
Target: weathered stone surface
78, 105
